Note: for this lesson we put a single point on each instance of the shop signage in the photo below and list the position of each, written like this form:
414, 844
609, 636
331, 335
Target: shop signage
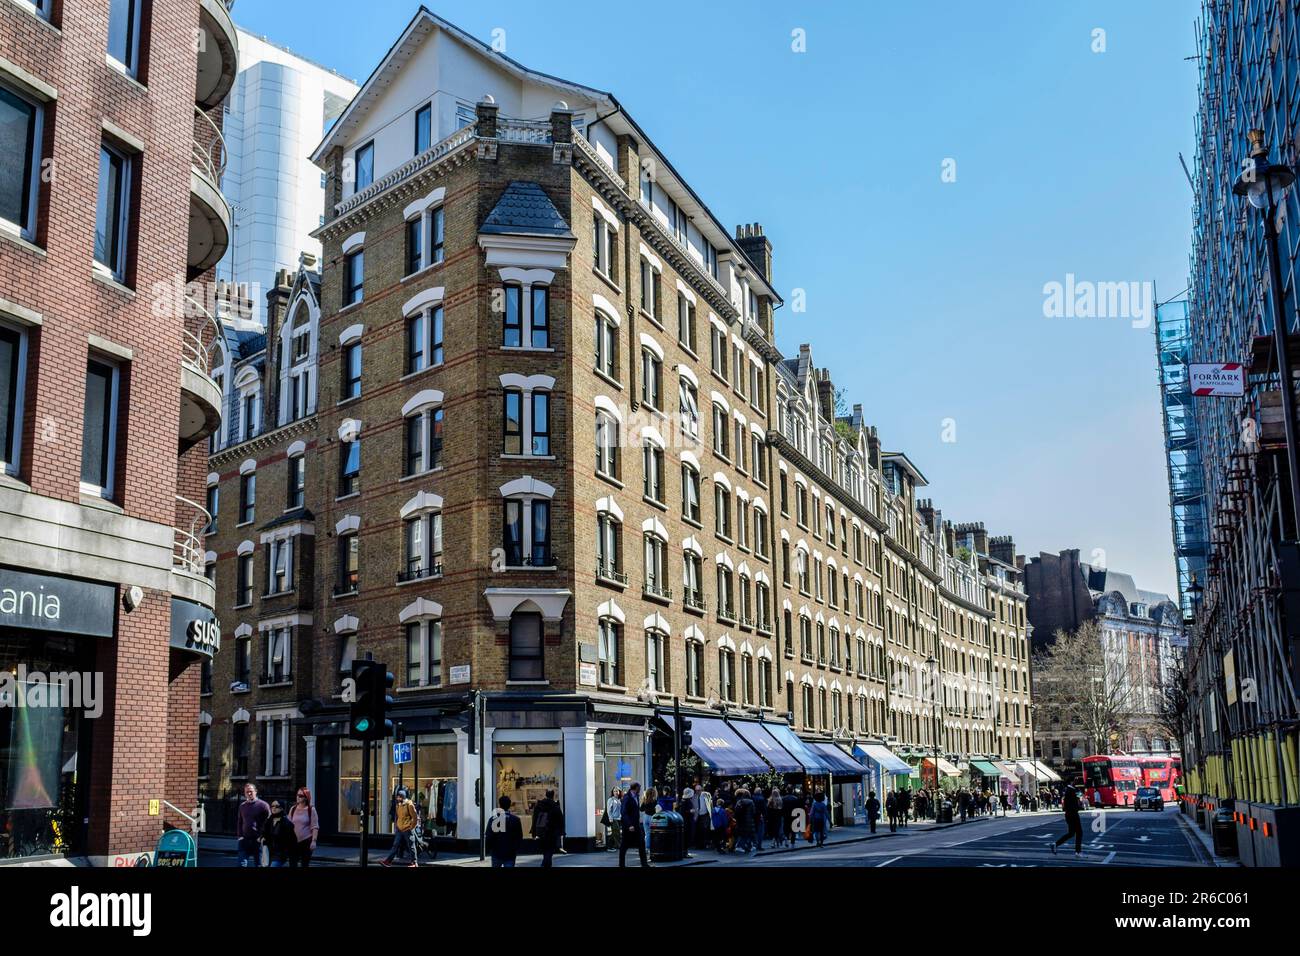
176, 848
194, 628
40, 602
1217, 379
587, 675
460, 674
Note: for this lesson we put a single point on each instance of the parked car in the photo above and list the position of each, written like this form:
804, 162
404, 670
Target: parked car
1148, 798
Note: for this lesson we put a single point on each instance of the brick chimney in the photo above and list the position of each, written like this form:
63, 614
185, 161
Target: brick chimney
487, 112
826, 394
974, 529
757, 249
1003, 548
925, 508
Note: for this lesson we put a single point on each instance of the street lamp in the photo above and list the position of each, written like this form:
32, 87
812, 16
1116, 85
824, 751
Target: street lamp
1264, 186
933, 664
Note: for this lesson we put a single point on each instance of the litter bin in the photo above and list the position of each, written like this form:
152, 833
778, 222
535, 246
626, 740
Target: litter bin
1200, 814
1224, 830
667, 837
945, 812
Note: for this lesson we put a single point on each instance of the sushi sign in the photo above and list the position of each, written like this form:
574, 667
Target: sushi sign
1218, 379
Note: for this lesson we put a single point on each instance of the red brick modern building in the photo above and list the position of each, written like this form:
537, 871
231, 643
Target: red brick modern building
111, 218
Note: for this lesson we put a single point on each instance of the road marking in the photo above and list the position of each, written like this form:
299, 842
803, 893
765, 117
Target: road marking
889, 861
1109, 857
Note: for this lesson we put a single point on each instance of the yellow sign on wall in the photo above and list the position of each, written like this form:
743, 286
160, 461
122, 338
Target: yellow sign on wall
155, 808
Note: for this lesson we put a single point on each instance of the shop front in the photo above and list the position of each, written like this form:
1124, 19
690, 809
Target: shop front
885, 770
55, 640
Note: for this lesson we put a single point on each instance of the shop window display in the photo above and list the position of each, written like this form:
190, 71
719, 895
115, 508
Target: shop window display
525, 771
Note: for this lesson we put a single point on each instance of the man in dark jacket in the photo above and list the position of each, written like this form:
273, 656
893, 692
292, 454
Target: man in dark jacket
548, 826
873, 810
1073, 821
760, 817
505, 836
631, 823
251, 818
744, 811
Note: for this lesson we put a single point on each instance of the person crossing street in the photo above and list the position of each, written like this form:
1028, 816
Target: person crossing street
1073, 821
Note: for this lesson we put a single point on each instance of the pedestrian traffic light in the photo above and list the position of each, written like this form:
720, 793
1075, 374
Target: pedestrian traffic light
685, 730
368, 714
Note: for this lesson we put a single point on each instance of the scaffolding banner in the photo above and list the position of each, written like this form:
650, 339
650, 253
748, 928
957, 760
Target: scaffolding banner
1218, 379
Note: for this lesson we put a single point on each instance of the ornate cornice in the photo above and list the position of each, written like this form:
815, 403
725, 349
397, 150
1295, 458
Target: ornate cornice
259, 443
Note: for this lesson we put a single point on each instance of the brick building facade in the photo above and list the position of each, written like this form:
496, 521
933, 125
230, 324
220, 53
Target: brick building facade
109, 205
558, 469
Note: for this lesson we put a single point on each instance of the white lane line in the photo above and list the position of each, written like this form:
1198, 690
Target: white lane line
889, 861
1110, 856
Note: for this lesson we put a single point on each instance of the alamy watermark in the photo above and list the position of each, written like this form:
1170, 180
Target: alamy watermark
68, 690
1083, 299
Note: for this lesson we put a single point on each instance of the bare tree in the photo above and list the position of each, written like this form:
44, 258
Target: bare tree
1077, 685
1174, 704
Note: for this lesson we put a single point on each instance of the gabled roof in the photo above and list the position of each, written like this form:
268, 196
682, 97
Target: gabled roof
415, 33
524, 209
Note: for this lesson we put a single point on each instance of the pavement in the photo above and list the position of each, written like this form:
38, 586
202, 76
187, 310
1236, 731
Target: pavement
219, 851
1112, 837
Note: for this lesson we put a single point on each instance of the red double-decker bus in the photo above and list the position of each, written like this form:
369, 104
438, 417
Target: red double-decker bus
1111, 780
1162, 773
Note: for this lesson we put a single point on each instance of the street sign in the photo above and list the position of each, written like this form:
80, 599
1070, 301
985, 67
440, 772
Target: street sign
587, 675
402, 753
1217, 379
460, 674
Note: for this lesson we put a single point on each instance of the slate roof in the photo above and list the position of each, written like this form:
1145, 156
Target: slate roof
1105, 581
250, 343
524, 209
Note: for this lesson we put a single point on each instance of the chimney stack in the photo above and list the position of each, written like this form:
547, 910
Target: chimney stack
756, 248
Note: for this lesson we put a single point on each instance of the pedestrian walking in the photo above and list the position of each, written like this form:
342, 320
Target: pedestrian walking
718, 825
904, 806
744, 821
776, 816
873, 810
612, 818
648, 809
891, 808
505, 836
251, 818
277, 836
1006, 802
703, 817
306, 828
403, 829
630, 818
548, 826
760, 817
819, 817
963, 801
1073, 821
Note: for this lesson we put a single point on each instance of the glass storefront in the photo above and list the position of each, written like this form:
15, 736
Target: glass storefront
350, 793
525, 771
43, 746
620, 760
430, 778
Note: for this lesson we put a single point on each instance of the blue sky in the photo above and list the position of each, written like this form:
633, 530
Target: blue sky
924, 297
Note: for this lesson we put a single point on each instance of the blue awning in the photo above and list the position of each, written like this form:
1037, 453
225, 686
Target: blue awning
756, 736
812, 762
842, 765
884, 757
720, 747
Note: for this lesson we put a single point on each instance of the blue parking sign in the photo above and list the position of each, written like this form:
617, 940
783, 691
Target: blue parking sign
401, 753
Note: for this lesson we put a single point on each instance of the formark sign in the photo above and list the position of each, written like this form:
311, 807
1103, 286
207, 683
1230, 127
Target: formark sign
1217, 379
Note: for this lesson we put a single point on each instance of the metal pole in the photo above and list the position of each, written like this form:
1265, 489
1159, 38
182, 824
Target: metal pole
365, 802
1280, 337
482, 782
677, 747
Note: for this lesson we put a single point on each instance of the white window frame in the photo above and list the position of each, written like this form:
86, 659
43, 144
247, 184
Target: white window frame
426, 628
117, 270
131, 69
107, 490
27, 230
11, 457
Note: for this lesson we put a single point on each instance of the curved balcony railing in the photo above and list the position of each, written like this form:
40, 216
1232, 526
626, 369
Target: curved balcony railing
197, 343
209, 151
188, 553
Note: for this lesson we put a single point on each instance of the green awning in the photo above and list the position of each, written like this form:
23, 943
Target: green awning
987, 768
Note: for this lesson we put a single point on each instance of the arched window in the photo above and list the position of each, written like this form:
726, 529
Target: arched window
610, 651
526, 523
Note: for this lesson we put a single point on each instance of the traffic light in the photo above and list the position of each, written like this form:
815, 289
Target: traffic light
685, 726
369, 711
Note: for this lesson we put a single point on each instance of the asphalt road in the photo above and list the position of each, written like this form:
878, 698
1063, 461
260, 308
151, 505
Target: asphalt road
1110, 838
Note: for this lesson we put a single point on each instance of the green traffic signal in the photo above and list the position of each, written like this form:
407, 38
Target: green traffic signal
362, 725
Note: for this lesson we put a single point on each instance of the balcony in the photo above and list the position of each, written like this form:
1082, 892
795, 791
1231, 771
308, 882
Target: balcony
218, 53
189, 558
609, 574
418, 573
200, 394
210, 216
